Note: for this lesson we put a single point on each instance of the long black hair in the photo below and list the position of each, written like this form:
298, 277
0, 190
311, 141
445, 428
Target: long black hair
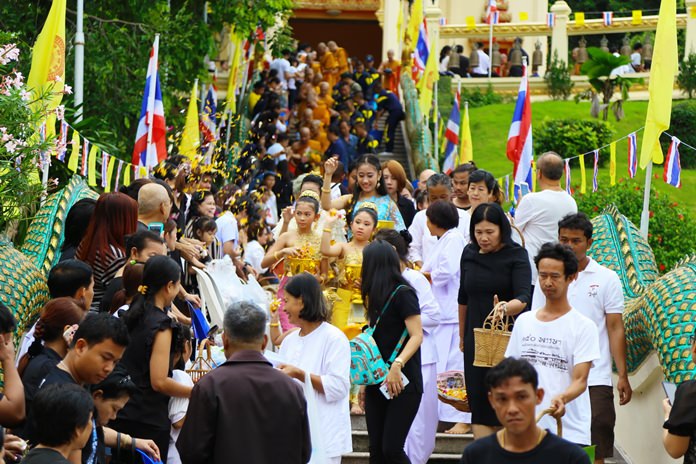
493, 213
157, 273
381, 188
381, 274
400, 240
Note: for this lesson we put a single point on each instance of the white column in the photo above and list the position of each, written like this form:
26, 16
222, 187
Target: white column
433, 13
690, 43
390, 30
559, 37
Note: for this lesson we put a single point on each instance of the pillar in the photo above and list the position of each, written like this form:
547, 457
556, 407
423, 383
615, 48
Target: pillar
390, 30
559, 36
433, 13
690, 43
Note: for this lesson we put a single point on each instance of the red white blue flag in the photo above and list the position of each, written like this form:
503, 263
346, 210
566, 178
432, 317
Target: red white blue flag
672, 174
105, 169
519, 144
62, 141
443, 21
595, 184
608, 17
422, 51
567, 177
209, 120
452, 137
85, 152
491, 12
551, 19
632, 156
150, 139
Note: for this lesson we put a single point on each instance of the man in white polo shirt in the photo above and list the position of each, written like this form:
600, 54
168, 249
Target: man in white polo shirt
598, 295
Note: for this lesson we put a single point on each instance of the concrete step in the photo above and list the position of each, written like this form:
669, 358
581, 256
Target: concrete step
364, 458
445, 444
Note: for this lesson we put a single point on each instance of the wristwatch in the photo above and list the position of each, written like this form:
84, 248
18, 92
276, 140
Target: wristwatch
399, 361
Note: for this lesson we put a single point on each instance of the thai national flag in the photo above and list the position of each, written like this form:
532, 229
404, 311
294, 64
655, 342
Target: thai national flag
452, 137
150, 139
443, 21
63, 141
519, 144
568, 188
551, 19
208, 122
632, 157
420, 55
491, 10
672, 174
608, 17
595, 172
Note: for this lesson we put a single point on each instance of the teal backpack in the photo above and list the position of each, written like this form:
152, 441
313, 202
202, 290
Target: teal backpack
367, 367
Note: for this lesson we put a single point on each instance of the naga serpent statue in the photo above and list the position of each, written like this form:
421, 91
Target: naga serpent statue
659, 313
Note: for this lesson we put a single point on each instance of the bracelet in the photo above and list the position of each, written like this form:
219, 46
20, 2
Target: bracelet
325, 190
275, 324
398, 361
326, 229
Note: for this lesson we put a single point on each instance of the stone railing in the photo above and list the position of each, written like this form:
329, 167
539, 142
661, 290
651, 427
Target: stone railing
417, 131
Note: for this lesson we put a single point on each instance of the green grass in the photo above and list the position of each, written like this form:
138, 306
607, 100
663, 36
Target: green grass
489, 129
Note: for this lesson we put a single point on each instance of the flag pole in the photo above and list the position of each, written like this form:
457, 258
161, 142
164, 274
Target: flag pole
490, 47
436, 126
645, 215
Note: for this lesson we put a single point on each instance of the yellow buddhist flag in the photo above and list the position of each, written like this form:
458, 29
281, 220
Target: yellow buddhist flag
400, 20
580, 19
92, 166
470, 22
191, 138
414, 23
426, 85
110, 173
583, 175
662, 72
127, 174
234, 70
75, 153
612, 163
524, 16
466, 146
637, 17
534, 176
692, 12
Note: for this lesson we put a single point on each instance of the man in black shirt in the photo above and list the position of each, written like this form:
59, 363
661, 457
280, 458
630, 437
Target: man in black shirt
514, 394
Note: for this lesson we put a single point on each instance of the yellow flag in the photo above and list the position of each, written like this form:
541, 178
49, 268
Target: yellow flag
534, 176
127, 174
234, 70
466, 146
92, 166
580, 19
110, 173
637, 17
692, 12
662, 72
583, 175
524, 16
470, 22
426, 85
400, 21
414, 22
612, 163
47, 72
75, 153
190, 138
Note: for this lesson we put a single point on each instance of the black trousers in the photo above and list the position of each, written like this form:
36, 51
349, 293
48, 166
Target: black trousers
388, 423
390, 130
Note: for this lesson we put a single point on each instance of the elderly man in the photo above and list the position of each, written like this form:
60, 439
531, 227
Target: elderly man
245, 410
154, 206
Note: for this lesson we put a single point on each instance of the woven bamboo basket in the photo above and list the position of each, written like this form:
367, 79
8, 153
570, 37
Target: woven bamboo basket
491, 340
203, 362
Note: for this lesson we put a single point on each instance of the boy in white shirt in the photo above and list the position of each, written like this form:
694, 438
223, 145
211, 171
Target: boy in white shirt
560, 343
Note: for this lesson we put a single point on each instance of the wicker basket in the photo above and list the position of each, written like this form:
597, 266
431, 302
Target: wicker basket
203, 362
491, 341
452, 380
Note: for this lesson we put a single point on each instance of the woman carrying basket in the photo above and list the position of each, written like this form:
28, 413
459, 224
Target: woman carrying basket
495, 273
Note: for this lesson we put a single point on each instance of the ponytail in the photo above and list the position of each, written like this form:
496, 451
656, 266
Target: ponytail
157, 273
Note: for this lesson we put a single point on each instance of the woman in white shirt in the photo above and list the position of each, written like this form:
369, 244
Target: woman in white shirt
321, 351
444, 269
258, 235
420, 441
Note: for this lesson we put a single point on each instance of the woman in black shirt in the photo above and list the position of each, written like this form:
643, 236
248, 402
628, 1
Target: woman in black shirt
388, 294
679, 436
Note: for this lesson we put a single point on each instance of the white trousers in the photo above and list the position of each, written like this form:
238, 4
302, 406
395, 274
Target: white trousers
420, 441
449, 358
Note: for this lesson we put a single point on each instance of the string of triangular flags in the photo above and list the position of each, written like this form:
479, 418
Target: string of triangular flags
579, 17
85, 155
671, 168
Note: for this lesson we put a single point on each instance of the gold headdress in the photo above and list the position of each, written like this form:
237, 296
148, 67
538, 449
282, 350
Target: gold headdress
310, 194
368, 205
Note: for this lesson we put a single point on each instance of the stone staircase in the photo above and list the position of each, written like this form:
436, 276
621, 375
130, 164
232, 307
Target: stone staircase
402, 149
448, 448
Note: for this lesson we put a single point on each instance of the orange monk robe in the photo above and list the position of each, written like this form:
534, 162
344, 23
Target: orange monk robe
323, 140
342, 60
391, 80
316, 67
329, 68
321, 113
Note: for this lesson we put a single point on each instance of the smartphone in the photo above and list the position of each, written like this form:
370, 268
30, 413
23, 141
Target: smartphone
385, 391
156, 227
670, 390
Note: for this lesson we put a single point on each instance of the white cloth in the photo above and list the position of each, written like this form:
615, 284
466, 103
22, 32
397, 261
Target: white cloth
484, 63
291, 81
326, 352
253, 254
272, 206
177, 411
444, 64
464, 223
274, 150
554, 348
282, 66
27, 340
420, 441
537, 218
423, 242
449, 358
636, 59
445, 269
430, 313
227, 229
595, 293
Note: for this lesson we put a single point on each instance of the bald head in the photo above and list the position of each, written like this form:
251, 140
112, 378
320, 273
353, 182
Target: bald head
550, 166
153, 203
423, 178
332, 45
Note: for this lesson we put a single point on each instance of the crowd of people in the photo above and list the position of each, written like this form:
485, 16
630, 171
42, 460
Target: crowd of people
344, 239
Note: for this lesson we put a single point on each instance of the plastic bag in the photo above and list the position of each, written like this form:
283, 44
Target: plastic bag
315, 428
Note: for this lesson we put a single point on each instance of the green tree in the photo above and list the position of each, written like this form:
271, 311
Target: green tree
599, 71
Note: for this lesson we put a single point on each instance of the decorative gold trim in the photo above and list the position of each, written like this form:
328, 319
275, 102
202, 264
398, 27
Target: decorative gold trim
347, 5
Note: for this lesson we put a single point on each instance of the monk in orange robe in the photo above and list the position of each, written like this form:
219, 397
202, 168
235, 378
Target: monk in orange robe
329, 67
341, 57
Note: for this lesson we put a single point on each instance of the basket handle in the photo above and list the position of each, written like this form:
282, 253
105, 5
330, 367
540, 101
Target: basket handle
493, 322
204, 345
559, 424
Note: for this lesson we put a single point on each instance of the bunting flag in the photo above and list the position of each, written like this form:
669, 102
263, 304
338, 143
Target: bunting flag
127, 174
583, 175
579, 19
92, 166
636, 17
524, 16
118, 175
672, 173
104, 166
632, 155
470, 22
567, 177
110, 172
551, 19
75, 153
85, 152
595, 172
62, 141
443, 21
608, 17
612, 164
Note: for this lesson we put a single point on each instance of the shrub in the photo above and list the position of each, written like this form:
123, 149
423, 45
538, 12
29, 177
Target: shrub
671, 230
683, 126
476, 98
687, 75
558, 80
571, 137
